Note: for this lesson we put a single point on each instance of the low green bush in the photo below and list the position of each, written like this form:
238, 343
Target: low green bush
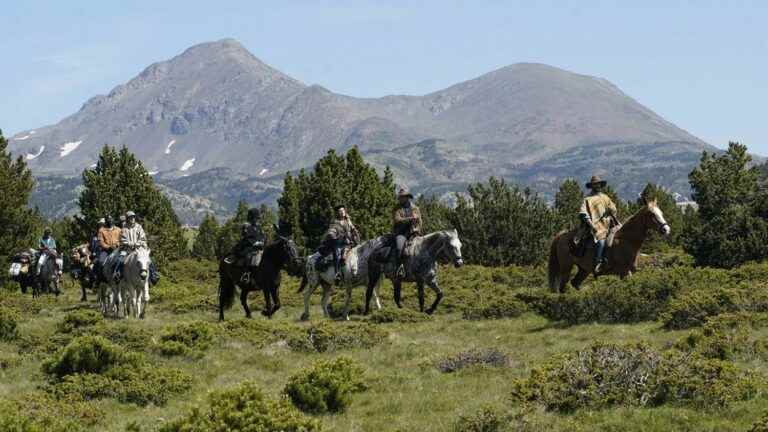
727, 337
143, 385
693, 308
186, 338
8, 361
485, 419
86, 354
760, 425
398, 315
327, 337
92, 367
38, 411
244, 408
126, 334
326, 387
488, 357
496, 308
79, 318
260, 333
9, 319
606, 375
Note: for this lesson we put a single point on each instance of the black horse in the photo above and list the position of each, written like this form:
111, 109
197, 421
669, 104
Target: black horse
278, 255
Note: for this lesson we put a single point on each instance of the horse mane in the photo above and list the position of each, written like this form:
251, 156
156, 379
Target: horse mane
635, 218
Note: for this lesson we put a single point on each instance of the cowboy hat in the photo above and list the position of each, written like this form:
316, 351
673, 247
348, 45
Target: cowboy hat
338, 206
596, 181
403, 192
102, 221
129, 214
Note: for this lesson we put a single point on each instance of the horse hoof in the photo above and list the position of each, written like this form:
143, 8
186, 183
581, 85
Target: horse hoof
304, 317
265, 313
430, 311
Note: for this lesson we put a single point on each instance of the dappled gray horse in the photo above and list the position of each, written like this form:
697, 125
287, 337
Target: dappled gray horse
354, 273
420, 265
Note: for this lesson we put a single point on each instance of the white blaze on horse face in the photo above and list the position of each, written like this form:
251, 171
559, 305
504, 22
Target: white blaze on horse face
456, 245
659, 215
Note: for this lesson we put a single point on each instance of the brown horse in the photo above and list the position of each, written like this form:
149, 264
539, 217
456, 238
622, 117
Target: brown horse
621, 255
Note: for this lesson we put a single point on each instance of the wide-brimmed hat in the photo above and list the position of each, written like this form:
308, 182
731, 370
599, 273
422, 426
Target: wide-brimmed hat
129, 214
403, 192
596, 181
102, 221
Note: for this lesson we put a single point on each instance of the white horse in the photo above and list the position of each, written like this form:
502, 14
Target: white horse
134, 286
110, 296
354, 273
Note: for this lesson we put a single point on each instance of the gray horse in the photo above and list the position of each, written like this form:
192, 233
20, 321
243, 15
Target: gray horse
420, 265
49, 277
354, 273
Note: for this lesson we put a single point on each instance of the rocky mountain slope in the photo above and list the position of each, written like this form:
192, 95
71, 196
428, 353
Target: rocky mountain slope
216, 112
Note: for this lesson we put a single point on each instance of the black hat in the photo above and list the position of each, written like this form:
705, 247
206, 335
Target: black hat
338, 206
254, 213
595, 181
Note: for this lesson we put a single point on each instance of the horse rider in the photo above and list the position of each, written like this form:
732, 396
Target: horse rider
406, 224
109, 240
93, 246
132, 237
341, 234
597, 214
252, 241
47, 247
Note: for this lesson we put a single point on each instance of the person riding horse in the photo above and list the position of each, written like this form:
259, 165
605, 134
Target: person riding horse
406, 224
598, 214
47, 247
251, 244
341, 234
132, 237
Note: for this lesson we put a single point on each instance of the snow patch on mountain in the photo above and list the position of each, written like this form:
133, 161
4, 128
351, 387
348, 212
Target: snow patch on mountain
33, 156
22, 138
69, 147
187, 164
263, 171
168, 147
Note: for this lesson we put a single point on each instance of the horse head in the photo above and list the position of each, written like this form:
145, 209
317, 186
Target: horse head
452, 247
142, 257
655, 218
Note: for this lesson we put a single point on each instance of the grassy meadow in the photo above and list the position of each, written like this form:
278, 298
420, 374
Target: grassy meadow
419, 373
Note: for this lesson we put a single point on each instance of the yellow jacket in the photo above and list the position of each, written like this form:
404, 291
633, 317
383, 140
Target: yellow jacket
598, 208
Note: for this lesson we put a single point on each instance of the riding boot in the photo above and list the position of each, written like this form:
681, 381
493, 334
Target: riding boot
337, 266
599, 255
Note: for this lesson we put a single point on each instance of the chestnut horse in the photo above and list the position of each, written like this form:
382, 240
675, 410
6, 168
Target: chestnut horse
621, 256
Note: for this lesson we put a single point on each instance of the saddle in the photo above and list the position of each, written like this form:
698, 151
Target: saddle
326, 258
252, 259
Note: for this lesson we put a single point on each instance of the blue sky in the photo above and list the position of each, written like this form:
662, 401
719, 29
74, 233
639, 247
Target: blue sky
700, 64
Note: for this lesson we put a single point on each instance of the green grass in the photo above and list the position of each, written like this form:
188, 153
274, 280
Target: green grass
405, 391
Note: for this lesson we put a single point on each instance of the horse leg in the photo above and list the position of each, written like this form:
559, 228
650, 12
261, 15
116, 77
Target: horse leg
308, 290
326, 297
397, 286
438, 296
267, 311
420, 288
372, 281
244, 301
347, 302
577, 280
275, 291
84, 297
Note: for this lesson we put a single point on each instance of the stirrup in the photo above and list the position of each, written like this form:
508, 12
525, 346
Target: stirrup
400, 271
338, 278
228, 260
246, 277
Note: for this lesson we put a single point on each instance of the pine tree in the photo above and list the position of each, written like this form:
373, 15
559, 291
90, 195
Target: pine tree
731, 228
230, 232
568, 201
435, 214
205, 241
120, 183
308, 200
501, 224
19, 225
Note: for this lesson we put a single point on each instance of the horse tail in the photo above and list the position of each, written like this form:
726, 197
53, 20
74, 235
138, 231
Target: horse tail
553, 266
226, 287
